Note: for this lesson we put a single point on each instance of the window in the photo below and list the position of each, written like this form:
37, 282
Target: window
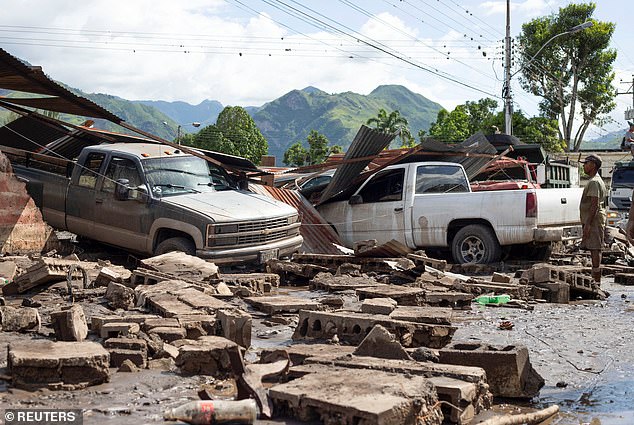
90, 171
386, 186
121, 168
440, 179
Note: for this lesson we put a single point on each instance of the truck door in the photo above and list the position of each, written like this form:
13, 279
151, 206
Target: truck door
80, 199
381, 214
122, 223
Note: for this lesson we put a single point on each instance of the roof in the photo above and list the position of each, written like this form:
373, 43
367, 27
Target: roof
17, 76
142, 150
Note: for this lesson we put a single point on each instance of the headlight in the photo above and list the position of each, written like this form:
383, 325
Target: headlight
613, 214
293, 219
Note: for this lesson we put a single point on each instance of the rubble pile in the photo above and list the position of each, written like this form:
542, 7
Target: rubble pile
361, 328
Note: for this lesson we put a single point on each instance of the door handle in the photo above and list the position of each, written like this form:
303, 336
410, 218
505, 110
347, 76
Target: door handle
398, 209
98, 201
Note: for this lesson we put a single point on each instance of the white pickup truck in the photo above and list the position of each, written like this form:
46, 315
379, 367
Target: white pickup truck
430, 204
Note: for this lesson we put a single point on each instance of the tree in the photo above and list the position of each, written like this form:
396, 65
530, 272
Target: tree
471, 117
211, 138
392, 123
317, 152
573, 74
241, 136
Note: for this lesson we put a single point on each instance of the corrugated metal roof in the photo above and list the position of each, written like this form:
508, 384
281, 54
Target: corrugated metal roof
365, 146
318, 235
30, 134
16, 75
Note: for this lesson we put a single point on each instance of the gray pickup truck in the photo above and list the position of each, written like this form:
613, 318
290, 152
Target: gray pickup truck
151, 199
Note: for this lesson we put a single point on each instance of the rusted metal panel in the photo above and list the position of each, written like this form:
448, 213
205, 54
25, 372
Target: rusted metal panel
365, 146
318, 235
15, 75
30, 134
391, 249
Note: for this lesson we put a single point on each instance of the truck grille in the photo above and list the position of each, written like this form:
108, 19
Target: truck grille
252, 239
262, 225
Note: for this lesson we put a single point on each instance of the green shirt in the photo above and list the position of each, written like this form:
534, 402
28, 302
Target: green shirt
594, 189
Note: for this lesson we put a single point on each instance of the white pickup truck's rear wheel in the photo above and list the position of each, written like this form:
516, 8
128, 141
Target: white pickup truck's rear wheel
475, 244
176, 244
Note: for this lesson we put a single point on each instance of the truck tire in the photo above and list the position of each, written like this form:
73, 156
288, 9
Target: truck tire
477, 244
176, 244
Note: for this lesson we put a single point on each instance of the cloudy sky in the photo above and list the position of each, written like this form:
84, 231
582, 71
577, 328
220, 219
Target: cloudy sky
248, 52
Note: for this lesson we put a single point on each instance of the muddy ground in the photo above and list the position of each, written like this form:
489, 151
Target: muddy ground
584, 351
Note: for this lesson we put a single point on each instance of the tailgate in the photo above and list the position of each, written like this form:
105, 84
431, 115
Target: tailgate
558, 206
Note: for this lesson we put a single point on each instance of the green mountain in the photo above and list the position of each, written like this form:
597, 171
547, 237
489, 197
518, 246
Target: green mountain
291, 117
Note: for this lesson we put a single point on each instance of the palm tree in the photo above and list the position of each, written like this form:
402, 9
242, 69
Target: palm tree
393, 123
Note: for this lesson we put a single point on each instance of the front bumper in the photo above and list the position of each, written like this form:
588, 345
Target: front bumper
252, 254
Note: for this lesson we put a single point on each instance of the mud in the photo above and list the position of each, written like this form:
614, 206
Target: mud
584, 351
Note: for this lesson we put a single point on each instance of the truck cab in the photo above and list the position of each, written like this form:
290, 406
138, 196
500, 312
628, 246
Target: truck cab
620, 195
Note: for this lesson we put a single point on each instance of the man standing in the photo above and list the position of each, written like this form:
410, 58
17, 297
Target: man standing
592, 211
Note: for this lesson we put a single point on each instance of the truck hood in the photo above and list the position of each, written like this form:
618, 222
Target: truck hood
231, 205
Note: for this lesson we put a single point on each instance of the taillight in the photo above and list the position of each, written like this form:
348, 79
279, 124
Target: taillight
531, 204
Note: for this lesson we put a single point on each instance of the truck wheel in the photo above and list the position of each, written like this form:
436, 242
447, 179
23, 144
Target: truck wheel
176, 244
475, 244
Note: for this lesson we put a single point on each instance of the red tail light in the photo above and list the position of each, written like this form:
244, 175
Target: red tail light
531, 204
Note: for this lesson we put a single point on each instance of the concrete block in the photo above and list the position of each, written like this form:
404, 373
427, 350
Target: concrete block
70, 323
282, 304
235, 325
500, 278
57, 365
380, 343
378, 305
424, 314
116, 329
456, 300
366, 397
353, 327
115, 274
542, 273
120, 355
508, 368
169, 334
19, 319
558, 292
403, 295
8, 270
163, 322
328, 282
46, 270
120, 296
96, 322
463, 398
198, 325
207, 355
126, 344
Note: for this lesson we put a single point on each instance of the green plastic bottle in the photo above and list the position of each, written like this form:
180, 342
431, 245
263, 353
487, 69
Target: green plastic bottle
493, 299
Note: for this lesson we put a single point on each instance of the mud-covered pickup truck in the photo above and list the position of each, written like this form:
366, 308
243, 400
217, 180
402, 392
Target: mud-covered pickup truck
151, 199
431, 205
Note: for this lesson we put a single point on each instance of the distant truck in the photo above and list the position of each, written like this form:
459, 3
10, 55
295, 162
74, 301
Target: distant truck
152, 199
431, 205
620, 195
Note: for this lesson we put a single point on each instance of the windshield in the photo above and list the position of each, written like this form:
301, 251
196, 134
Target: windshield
623, 177
168, 176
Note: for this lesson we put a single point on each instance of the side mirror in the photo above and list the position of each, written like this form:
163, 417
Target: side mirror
355, 200
122, 190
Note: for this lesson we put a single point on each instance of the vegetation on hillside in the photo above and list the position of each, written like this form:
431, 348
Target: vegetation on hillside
318, 150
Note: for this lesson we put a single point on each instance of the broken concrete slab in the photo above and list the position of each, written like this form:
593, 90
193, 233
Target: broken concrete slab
291, 273
423, 314
208, 355
19, 319
361, 396
198, 325
122, 349
353, 327
57, 365
300, 352
624, 278
380, 343
404, 295
183, 266
328, 282
97, 321
378, 305
111, 273
500, 278
169, 334
120, 296
70, 323
456, 300
47, 270
235, 325
508, 368
461, 397
164, 322
282, 304
8, 271
259, 283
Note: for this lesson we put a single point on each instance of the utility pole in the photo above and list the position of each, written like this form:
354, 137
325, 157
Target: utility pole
508, 99
629, 113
